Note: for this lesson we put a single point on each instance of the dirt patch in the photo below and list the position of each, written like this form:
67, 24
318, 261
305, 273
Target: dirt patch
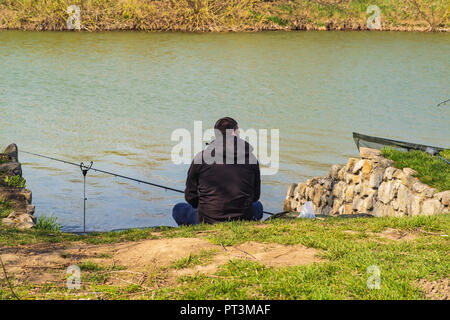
44, 263
142, 260
276, 255
436, 290
395, 234
398, 235
158, 252
269, 254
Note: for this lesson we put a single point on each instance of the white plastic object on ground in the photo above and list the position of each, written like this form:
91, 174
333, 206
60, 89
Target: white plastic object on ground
307, 211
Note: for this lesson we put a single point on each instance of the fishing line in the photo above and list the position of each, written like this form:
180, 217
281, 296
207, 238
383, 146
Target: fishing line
84, 168
105, 172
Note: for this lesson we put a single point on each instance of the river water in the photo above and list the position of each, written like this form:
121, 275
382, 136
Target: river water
115, 98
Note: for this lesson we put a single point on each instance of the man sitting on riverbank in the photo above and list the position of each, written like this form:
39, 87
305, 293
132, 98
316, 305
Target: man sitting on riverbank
223, 181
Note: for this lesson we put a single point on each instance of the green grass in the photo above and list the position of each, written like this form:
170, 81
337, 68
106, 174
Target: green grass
430, 170
342, 274
5, 209
48, 223
194, 259
90, 266
445, 154
15, 181
14, 237
279, 21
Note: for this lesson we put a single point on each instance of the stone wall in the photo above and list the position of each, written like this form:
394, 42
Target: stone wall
369, 185
22, 215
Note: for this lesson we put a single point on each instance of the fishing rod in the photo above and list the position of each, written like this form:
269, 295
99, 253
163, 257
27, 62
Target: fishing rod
105, 172
443, 102
84, 168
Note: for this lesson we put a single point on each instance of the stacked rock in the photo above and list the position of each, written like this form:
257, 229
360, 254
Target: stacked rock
22, 214
369, 185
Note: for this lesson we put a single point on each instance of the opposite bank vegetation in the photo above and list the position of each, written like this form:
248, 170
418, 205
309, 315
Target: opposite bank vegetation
225, 15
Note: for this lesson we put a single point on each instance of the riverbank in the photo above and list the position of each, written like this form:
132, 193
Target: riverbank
225, 15
331, 258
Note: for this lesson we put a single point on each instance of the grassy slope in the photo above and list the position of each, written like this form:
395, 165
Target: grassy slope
342, 275
224, 15
430, 170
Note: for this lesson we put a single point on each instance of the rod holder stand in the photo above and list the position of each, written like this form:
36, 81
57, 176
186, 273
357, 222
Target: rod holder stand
84, 170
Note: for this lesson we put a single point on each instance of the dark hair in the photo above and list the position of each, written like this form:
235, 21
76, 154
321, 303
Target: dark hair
225, 123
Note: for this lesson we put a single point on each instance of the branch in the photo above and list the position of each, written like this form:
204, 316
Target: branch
7, 280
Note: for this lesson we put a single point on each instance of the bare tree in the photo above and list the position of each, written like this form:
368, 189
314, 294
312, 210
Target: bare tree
433, 12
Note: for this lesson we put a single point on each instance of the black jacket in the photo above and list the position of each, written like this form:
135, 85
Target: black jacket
224, 190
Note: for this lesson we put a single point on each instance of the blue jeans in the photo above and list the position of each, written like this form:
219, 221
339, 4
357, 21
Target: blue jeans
184, 214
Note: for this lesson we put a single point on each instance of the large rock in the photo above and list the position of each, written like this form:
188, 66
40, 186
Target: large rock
336, 205
289, 204
367, 153
16, 195
11, 169
327, 183
8, 222
366, 169
358, 166
348, 177
416, 205
22, 210
389, 173
404, 199
338, 189
444, 197
21, 221
299, 191
318, 192
383, 210
357, 203
349, 191
335, 170
350, 164
432, 207
376, 178
368, 203
386, 163
408, 180
409, 171
386, 191
290, 192
364, 189
13, 152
